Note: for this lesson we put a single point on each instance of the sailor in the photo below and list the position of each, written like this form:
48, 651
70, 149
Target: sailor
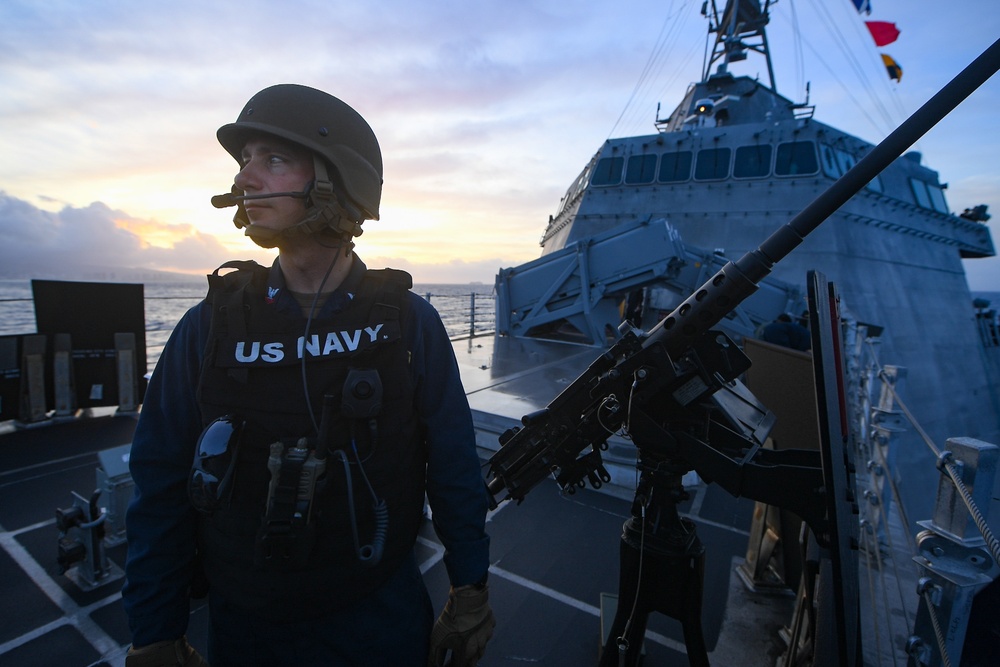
787, 333
293, 425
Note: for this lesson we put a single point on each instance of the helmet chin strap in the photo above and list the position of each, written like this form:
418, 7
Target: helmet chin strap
328, 213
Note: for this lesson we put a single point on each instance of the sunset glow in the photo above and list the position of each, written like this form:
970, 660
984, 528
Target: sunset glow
485, 112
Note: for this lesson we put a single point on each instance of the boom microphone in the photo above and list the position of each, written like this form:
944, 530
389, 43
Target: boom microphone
225, 201
233, 199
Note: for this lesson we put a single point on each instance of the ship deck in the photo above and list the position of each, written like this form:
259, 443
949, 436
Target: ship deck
554, 557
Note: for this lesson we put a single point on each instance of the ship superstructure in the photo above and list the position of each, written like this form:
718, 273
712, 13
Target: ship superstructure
733, 162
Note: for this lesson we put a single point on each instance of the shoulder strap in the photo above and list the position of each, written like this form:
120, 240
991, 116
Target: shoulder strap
247, 271
226, 293
399, 278
387, 289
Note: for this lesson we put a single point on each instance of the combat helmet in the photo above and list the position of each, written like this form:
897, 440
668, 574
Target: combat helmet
348, 159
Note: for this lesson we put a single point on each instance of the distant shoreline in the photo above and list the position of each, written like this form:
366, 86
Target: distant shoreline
147, 276
109, 275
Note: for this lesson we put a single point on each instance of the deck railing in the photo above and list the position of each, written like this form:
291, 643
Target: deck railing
956, 554
465, 315
989, 327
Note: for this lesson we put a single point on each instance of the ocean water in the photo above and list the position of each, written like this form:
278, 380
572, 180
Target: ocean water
463, 308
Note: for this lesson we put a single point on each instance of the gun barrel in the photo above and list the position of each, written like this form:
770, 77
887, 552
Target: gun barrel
738, 280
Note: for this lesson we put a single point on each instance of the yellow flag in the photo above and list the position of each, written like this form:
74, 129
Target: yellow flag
895, 71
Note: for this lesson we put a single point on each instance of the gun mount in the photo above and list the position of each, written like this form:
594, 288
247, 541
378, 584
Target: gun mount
596, 404
675, 391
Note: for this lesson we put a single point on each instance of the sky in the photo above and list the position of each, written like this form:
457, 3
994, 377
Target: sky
485, 111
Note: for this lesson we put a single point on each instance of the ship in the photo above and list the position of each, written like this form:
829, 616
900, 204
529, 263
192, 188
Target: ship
899, 358
655, 237
732, 162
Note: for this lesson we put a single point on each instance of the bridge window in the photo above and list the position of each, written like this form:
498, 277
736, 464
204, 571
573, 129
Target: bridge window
578, 186
796, 158
713, 163
919, 189
937, 198
675, 167
847, 161
608, 171
929, 195
641, 169
752, 161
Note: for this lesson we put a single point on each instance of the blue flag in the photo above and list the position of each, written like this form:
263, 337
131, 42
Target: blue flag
863, 6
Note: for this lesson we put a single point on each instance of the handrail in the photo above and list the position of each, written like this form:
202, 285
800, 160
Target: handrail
926, 590
874, 513
942, 602
945, 461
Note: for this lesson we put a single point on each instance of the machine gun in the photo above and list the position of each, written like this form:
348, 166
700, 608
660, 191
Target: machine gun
675, 390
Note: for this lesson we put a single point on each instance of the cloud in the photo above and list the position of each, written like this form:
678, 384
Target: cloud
74, 240
485, 111
454, 272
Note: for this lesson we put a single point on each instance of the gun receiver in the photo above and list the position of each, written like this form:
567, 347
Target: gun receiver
684, 374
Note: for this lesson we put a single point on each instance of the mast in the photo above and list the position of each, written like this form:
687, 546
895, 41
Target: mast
739, 28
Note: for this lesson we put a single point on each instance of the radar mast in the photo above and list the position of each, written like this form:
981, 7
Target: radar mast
738, 29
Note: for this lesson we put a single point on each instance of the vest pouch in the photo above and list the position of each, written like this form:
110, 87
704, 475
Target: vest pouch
287, 534
282, 547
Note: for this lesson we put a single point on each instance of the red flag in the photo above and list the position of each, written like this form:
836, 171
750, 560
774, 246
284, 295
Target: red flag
882, 32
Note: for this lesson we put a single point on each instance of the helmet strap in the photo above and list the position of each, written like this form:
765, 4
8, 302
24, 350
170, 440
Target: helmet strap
334, 210
329, 212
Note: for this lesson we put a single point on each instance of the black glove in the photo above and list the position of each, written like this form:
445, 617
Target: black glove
463, 628
177, 653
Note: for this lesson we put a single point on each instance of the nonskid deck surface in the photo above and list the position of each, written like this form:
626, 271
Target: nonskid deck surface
45, 618
552, 557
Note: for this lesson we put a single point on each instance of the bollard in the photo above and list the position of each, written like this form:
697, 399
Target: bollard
81, 555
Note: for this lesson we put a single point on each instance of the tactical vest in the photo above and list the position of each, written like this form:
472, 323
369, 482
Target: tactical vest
253, 369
